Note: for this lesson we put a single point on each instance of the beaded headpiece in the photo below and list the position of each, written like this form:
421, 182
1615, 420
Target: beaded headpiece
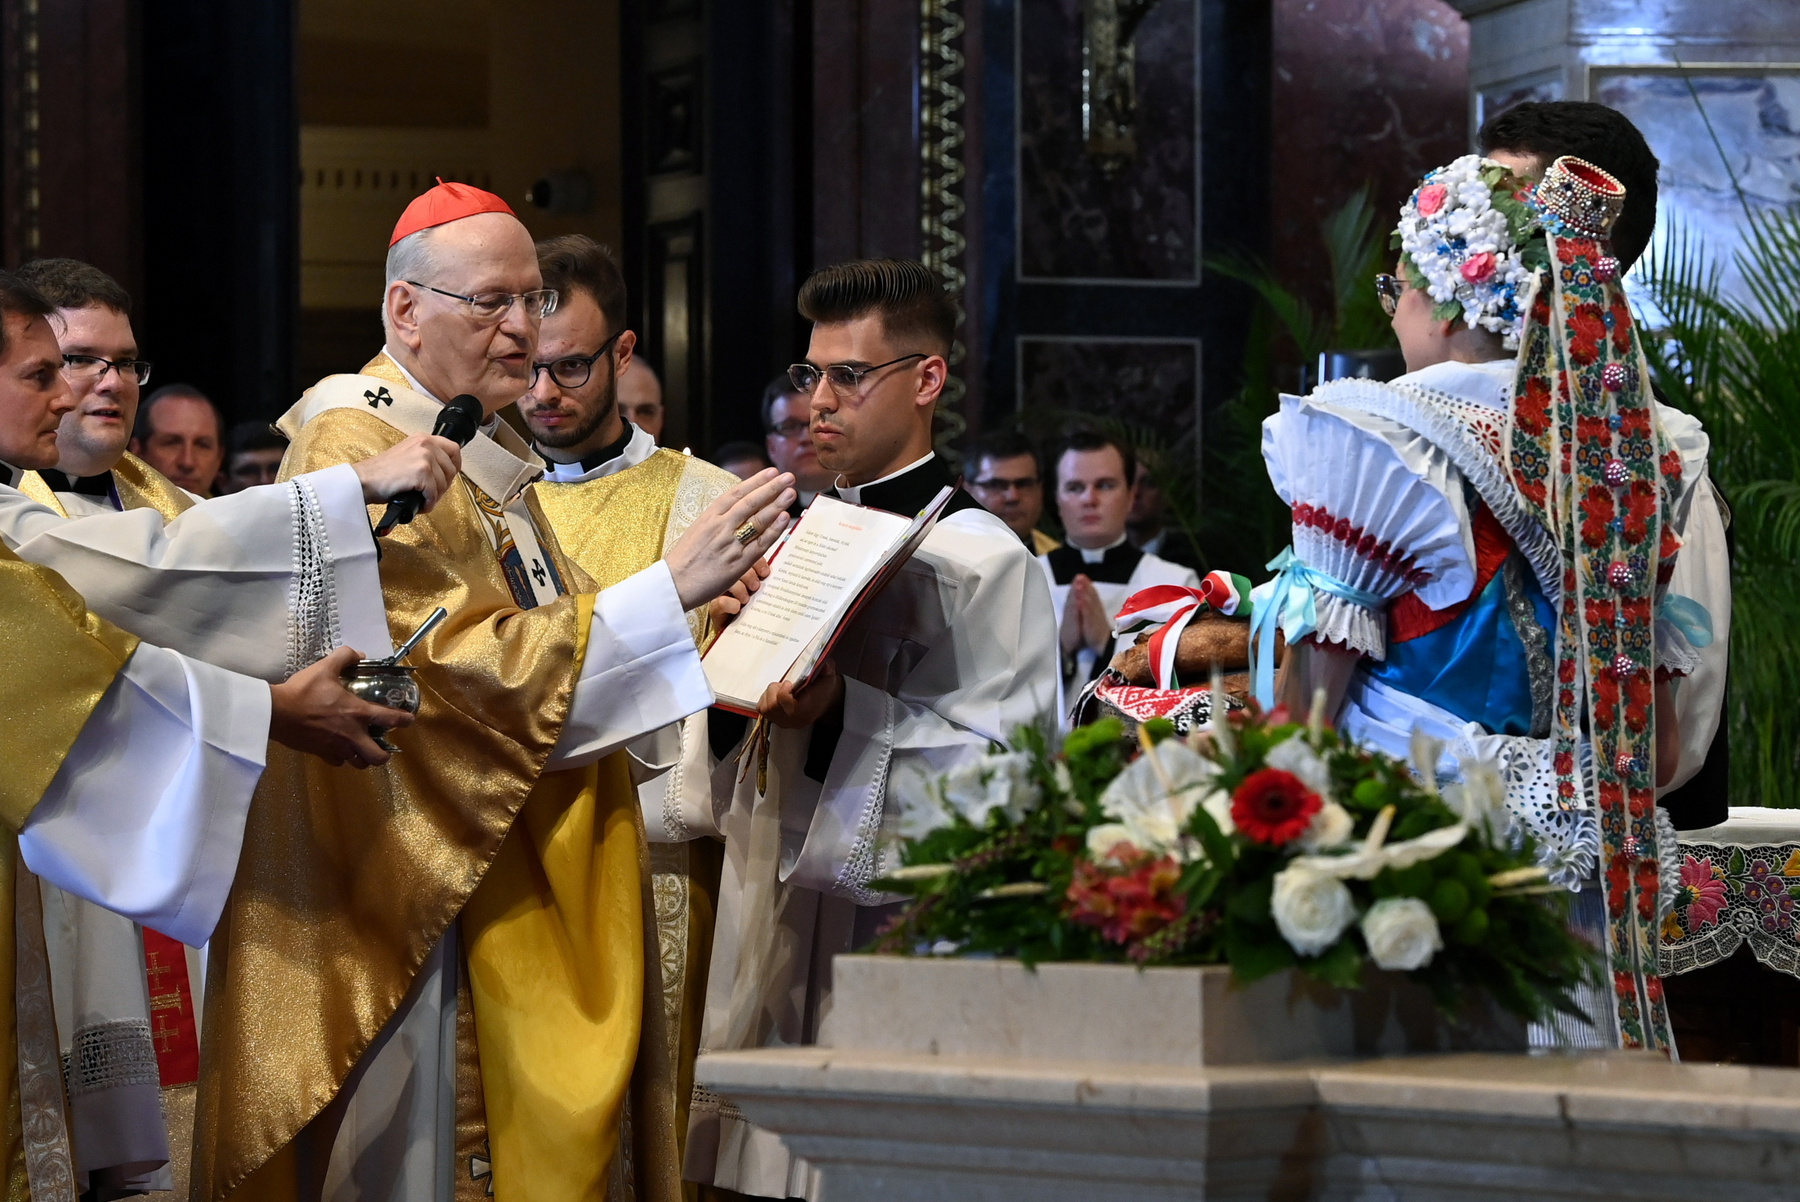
1585, 452
1472, 242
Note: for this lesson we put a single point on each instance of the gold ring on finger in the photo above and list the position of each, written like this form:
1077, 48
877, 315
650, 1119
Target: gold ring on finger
747, 533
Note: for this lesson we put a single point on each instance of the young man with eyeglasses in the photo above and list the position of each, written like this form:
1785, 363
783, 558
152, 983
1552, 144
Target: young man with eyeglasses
956, 653
451, 972
787, 435
1005, 473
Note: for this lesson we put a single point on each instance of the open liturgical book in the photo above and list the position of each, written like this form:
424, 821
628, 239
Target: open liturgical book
836, 557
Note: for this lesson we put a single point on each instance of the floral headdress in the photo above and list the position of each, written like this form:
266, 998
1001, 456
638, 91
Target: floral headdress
1473, 242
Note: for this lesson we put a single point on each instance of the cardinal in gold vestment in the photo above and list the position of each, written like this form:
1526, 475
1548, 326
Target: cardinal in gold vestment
495, 816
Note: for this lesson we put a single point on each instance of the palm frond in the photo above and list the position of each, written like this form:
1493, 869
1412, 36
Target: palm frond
1734, 362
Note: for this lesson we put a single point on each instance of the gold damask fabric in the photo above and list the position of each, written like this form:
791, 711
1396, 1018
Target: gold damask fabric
46, 634
614, 527
348, 879
140, 486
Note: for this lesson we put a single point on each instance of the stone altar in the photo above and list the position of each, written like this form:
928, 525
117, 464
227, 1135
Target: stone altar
976, 1081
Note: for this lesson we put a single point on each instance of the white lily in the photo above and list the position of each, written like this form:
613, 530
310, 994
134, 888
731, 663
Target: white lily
1375, 854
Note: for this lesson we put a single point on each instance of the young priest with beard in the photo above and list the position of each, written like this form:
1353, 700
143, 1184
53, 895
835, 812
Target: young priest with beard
956, 653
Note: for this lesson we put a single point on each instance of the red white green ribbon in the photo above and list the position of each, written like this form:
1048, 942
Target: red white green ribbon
1174, 606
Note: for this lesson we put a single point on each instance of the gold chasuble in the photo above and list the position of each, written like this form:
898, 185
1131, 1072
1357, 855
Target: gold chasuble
614, 527
348, 879
46, 634
139, 486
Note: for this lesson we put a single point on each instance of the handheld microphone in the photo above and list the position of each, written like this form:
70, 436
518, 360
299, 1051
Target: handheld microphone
458, 422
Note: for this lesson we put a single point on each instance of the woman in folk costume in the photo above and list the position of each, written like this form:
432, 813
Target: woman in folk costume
1482, 547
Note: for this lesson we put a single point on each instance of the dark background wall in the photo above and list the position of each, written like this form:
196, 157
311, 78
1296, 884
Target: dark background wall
759, 139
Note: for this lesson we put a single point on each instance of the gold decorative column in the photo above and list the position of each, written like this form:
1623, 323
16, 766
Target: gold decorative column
941, 175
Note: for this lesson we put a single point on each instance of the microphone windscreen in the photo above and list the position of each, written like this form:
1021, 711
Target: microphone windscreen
459, 420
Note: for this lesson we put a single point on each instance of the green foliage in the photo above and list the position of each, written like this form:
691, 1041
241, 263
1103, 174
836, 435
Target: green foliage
1028, 885
1242, 523
1735, 364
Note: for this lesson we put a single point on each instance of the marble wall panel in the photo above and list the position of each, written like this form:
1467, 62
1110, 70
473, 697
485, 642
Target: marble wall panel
1153, 384
1364, 92
1754, 113
1076, 220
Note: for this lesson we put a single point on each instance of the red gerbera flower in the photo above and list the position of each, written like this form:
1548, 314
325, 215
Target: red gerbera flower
1273, 806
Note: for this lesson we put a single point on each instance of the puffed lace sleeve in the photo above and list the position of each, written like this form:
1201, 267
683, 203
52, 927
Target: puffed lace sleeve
1377, 508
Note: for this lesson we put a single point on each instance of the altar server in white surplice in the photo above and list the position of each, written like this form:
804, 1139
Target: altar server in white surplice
955, 654
145, 817
1097, 569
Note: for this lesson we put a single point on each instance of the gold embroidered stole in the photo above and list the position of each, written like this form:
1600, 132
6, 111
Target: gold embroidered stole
139, 486
348, 880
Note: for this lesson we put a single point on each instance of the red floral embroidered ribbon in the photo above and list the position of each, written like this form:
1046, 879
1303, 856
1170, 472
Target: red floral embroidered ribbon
1583, 450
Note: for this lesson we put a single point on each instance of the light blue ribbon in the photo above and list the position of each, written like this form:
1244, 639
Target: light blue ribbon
1688, 616
1287, 602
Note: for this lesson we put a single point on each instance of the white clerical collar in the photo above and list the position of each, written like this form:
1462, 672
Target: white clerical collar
853, 492
1489, 383
1098, 554
640, 448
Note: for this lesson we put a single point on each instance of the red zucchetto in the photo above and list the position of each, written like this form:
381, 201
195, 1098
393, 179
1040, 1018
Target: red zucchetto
443, 204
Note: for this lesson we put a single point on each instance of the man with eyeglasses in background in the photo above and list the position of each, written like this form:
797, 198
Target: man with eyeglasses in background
181, 433
954, 654
787, 435
451, 971
1004, 472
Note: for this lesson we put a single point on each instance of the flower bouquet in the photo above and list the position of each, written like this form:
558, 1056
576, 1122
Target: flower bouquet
1256, 842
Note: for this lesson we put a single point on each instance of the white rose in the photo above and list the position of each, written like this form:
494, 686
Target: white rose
1331, 827
1108, 835
1311, 909
1402, 933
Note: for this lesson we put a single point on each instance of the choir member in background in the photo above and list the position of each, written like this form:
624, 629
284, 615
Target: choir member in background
787, 436
1097, 569
1004, 471
253, 454
1148, 526
641, 398
741, 459
181, 433
953, 655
